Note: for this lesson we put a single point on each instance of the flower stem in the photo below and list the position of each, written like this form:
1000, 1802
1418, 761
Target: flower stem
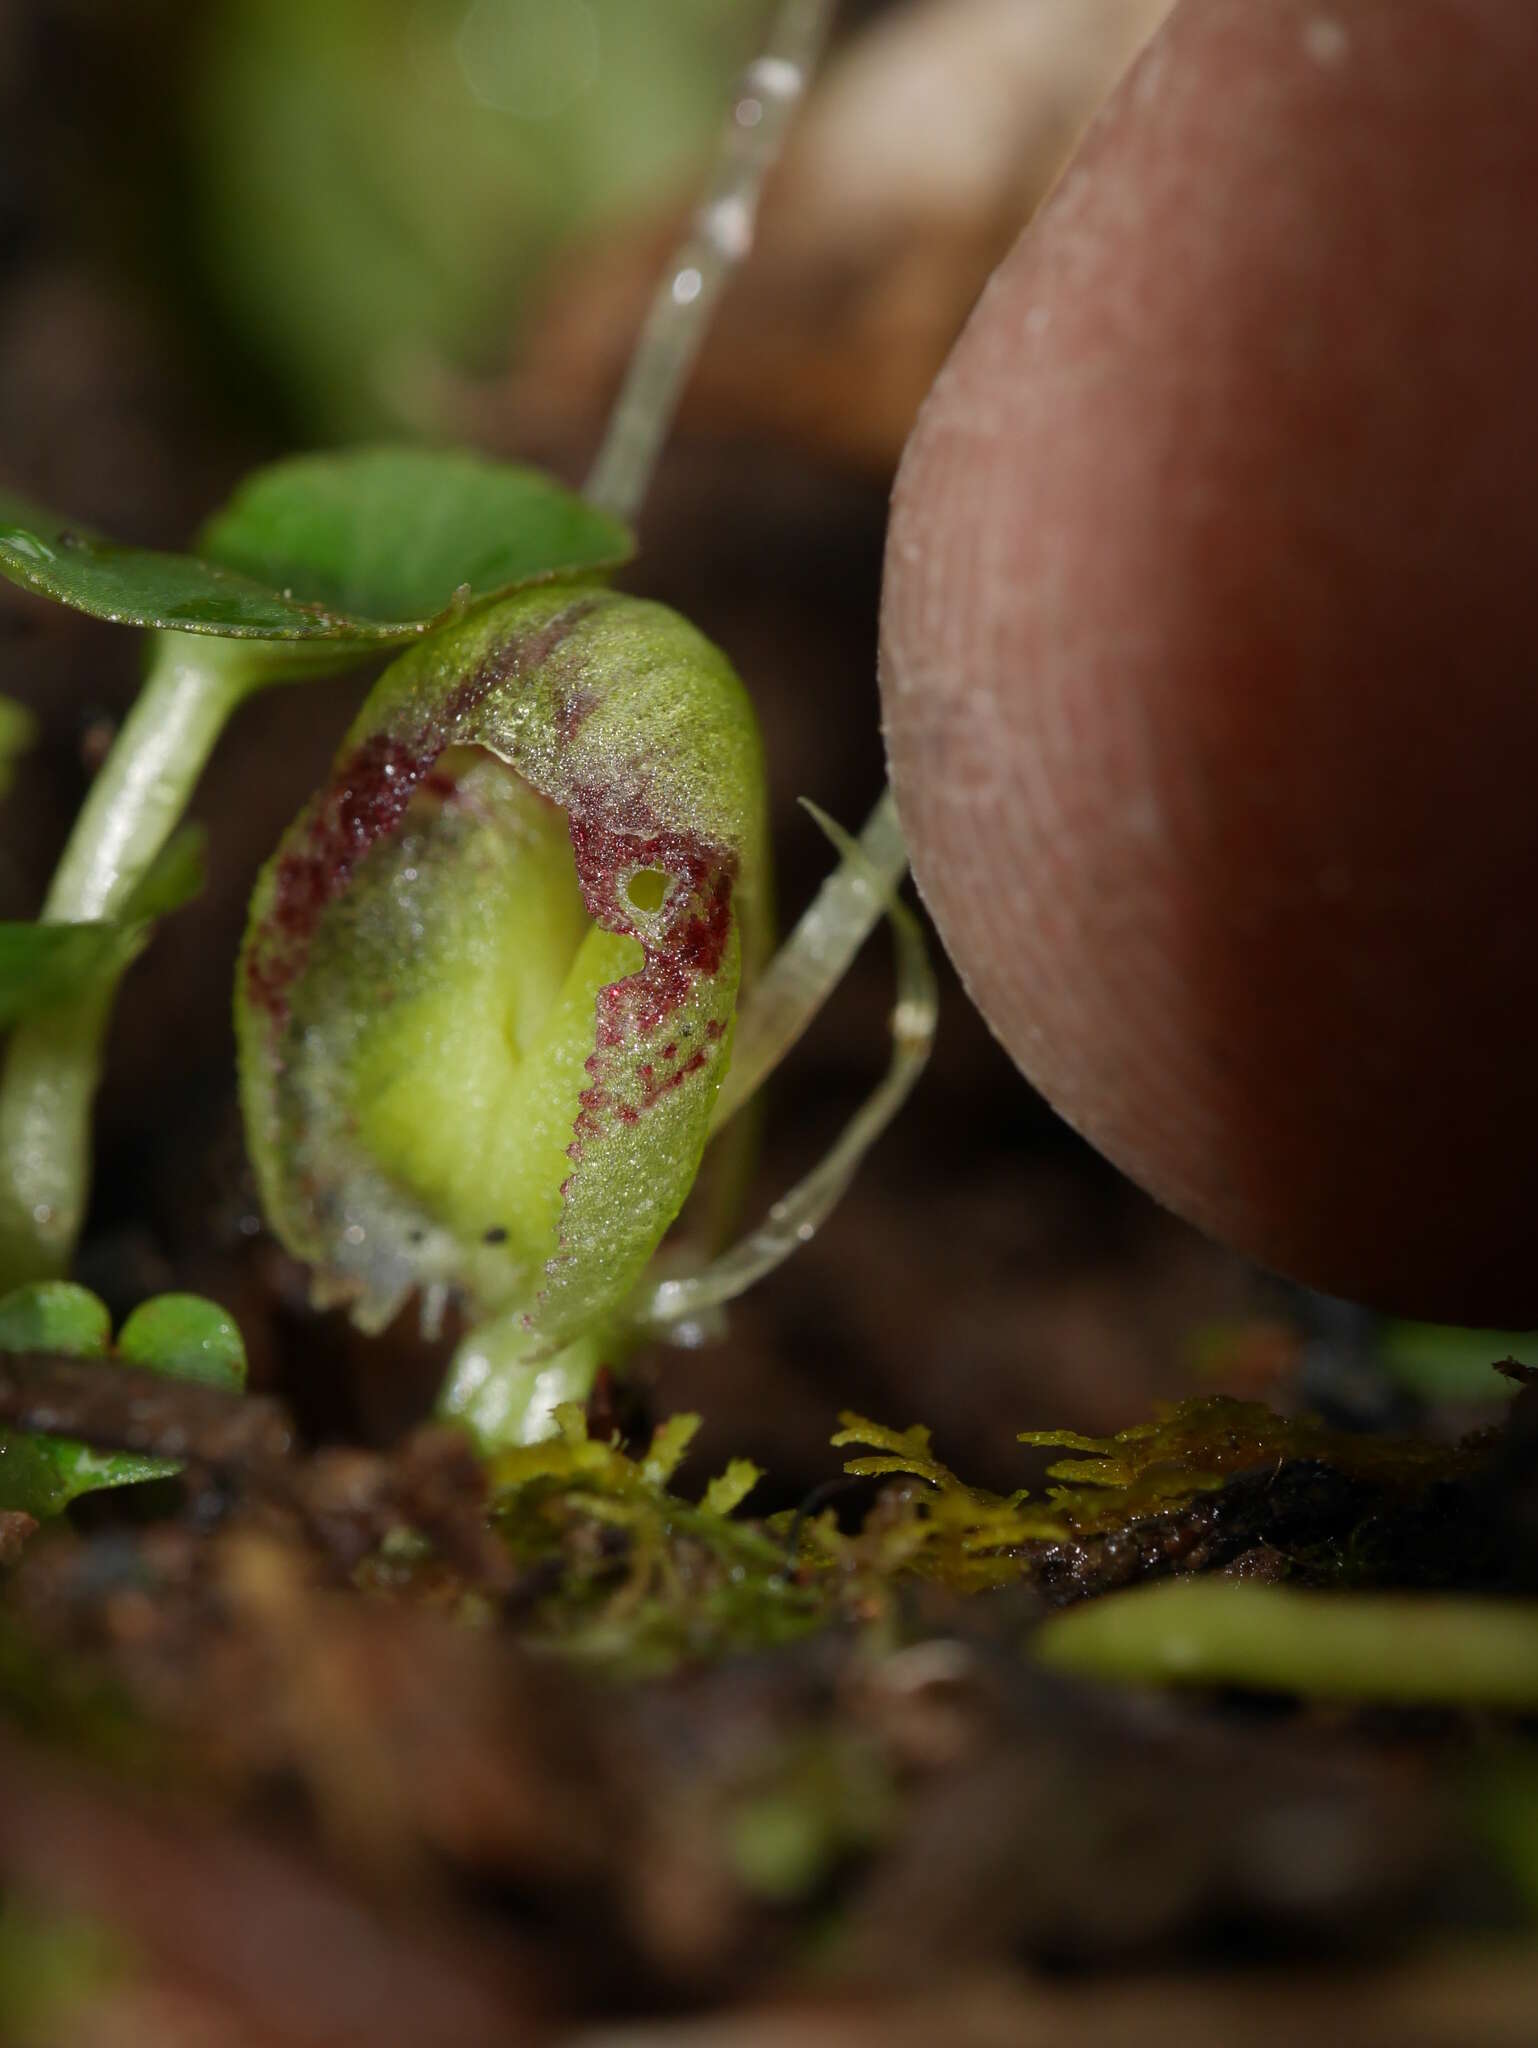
54, 1059
503, 1395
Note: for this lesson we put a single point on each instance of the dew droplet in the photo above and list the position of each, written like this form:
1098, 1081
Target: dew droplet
728, 227
776, 77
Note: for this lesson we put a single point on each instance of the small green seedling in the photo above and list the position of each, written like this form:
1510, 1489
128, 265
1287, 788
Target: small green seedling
180, 1335
506, 977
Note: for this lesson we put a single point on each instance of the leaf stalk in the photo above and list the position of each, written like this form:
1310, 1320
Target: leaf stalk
53, 1062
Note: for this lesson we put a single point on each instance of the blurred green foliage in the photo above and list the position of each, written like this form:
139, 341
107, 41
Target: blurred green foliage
381, 181
52, 1967
1444, 1362
18, 729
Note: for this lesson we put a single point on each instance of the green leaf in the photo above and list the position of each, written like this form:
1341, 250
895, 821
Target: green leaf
378, 187
131, 586
368, 548
408, 535
1406, 1649
1443, 1362
55, 1315
180, 1335
187, 1338
43, 964
38, 1474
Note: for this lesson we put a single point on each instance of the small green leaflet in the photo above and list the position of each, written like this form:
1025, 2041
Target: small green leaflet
55, 1315
187, 1338
45, 964
373, 547
180, 1335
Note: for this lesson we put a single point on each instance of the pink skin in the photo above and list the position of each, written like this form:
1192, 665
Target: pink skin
1210, 642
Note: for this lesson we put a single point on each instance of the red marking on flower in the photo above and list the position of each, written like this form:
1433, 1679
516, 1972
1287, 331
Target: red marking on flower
363, 803
653, 1089
572, 712
519, 655
613, 833
365, 800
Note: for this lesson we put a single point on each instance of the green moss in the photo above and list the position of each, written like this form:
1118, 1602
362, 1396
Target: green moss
942, 1529
647, 1579
1197, 1446
625, 1573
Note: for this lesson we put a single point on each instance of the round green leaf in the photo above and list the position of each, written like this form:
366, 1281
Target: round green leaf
406, 536
362, 549
187, 1338
128, 586
180, 1335
41, 1475
54, 1315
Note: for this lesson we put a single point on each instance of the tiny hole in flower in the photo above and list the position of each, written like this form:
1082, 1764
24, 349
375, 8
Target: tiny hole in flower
647, 889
